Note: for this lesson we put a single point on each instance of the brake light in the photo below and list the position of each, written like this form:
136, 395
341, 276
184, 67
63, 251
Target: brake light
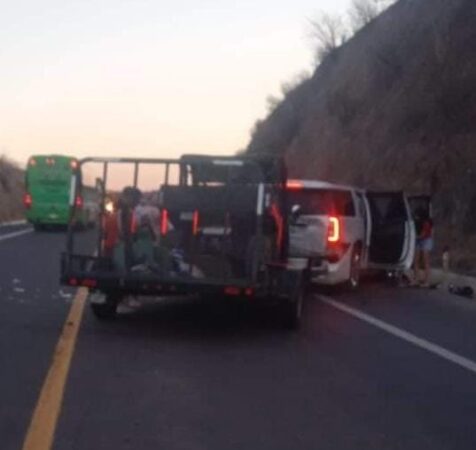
32, 162
294, 185
164, 222
73, 164
89, 282
27, 201
232, 290
195, 223
333, 232
79, 201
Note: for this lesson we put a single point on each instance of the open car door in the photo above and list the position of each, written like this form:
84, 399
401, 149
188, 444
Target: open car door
392, 239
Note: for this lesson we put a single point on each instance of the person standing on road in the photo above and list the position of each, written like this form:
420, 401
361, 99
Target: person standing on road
424, 246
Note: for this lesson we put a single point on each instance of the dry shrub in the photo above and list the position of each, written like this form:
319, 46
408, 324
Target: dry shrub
11, 190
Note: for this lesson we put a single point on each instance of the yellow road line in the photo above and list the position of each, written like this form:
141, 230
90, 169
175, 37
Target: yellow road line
42, 427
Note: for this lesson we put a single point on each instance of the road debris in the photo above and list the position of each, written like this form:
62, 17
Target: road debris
462, 291
63, 294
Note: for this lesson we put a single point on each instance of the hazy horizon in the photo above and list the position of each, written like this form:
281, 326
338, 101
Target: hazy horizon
145, 78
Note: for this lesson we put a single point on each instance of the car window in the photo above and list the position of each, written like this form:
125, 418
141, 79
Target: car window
388, 207
323, 202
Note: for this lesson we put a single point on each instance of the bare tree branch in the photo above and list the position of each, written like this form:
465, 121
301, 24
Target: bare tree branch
362, 12
329, 32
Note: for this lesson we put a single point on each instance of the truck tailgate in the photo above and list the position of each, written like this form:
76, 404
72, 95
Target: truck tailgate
308, 238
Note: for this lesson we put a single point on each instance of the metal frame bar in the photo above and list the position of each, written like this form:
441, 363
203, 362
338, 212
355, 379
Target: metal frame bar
136, 174
278, 183
102, 208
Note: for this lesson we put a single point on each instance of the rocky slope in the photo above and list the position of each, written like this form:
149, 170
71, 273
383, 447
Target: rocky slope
394, 108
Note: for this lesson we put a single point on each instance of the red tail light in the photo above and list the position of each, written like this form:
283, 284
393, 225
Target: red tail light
73, 164
79, 201
232, 290
164, 222
32, 162
27, 201
334, 230
89, 282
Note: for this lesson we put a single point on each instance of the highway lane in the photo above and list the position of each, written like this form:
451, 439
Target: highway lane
184, 378
33, 307
188, 375
32, 311
444, 319
14, 229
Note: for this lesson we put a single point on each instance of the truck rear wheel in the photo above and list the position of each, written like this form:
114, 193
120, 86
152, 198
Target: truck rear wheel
106, 310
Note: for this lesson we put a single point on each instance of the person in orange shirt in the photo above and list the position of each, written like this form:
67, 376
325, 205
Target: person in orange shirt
120, 223
110, 229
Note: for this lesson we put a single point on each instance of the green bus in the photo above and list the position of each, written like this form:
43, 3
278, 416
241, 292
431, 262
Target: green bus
54, 189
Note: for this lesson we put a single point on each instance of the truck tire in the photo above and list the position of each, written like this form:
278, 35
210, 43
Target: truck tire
106, 310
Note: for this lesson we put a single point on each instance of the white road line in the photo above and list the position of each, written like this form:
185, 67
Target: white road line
402, 334
12, 223
15, 234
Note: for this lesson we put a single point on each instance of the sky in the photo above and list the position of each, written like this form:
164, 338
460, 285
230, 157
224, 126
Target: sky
146, 78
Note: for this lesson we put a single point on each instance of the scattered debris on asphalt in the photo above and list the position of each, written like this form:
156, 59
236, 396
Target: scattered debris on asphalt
462, 291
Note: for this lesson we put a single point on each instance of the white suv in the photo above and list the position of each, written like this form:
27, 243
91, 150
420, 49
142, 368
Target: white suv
343, 230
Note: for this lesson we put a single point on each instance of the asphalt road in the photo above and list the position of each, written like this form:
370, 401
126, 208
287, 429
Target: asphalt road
187, 375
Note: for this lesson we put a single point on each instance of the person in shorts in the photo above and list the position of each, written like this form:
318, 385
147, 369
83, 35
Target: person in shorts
423, 248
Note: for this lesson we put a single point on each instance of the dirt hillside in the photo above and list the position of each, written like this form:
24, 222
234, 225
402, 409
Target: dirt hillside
11, 191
